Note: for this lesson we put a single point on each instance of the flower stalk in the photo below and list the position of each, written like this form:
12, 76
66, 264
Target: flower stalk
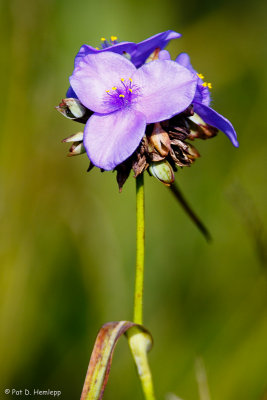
140, 251
138, 341
140, 344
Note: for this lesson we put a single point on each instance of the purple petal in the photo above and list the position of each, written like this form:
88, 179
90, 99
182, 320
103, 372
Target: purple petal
119, 48
164, 55
146, 47
166, 89
110, 139
71, 93
213, 118
97, 73
184, 60
202, 92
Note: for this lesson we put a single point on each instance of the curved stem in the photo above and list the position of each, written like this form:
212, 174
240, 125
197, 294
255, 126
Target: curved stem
140, 251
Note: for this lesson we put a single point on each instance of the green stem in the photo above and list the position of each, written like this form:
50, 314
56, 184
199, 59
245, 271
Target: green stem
138, 341
140, 251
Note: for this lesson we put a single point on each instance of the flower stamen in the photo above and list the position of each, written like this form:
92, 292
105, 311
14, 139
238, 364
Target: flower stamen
123, 95
105, 43
207, 84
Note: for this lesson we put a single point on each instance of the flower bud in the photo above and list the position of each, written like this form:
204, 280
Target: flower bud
76, 149
163, 171
77, 137
192, 152
199, 128
159, 141
71, 108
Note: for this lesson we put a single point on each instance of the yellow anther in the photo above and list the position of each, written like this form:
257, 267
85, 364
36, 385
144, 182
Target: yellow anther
103, 39
200, 76
207, 84
121, 95
114, 88
122, 79
130, 90
113, 38
97, 48
130, 79
107, 91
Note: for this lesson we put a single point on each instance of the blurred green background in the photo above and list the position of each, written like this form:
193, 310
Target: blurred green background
67, 243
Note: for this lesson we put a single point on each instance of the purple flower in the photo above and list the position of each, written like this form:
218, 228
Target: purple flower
146, 47
137, 52
202, 100
125, 99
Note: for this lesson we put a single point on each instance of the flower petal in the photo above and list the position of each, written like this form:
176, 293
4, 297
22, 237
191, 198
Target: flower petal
119, 48
110, 139
146, 47
184, 60
164, 55
202, 92
97, 73
166, 89
71, 93
213, 118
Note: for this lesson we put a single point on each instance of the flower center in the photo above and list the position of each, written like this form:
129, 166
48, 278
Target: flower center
122, 96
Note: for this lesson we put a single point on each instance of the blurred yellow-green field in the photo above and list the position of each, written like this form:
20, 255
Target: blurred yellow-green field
67, 243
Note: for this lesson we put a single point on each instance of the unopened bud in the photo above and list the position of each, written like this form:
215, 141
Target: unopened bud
77, 137
199, 128
159, 140
163, 171
192, 152
76, 149
71, 108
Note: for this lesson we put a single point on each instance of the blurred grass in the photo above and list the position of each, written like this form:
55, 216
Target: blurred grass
68, 238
